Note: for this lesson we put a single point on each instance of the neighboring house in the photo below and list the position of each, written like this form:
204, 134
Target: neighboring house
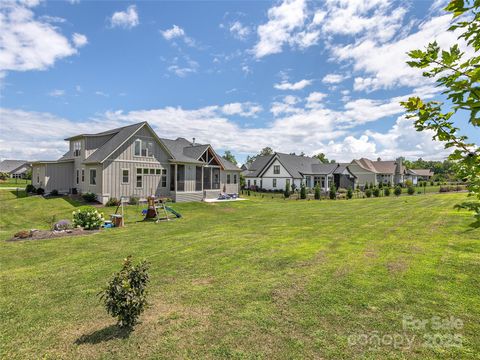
16, 169
386, 172
134, 161
416, 175
274, 171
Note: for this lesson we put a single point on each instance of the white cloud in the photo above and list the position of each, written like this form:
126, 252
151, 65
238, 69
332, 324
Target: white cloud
101, 93
239, 31
79, 40
176, 32
28, 43
374, 18
383, 65
242, 109
333, 78
183, 66
287, 24
125, 19
314, 99
299, 85
56, 93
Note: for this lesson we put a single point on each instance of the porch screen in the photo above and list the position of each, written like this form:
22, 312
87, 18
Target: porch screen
180, 177
198, 178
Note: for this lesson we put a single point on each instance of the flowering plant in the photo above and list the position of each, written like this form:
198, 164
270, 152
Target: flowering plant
88, 218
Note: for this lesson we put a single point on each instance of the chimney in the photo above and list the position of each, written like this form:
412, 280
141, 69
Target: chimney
193, 143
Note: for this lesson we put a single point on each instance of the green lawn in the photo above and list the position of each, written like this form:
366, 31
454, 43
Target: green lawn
14, 183
264, 278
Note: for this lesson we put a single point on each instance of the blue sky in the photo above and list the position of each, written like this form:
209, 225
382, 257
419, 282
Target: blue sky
293, 75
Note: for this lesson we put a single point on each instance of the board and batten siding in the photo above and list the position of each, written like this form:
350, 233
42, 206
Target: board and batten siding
229, 188
124, 158
38, 175
363, 176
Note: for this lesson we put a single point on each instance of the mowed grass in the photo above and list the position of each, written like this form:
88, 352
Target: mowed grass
263, 278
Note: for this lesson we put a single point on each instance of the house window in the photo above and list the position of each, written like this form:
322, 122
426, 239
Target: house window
254, 182
145, 171
274, 184
83, 175
248, 182
234, 178
139, 171
164, 177
138, 147
77, 177
125, 176
158, 171
38, 178
152, 171
276, 169
323, 182
287, 182
143, 148
77, 147
139, 183
228, 178
93, 176
180, 177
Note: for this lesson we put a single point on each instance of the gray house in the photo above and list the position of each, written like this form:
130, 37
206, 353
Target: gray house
274, 171
134, 161
16, 169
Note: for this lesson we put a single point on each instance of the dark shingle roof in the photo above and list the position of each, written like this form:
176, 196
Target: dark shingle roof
7, 166
176, 148
121, 135
421, 172
257, 165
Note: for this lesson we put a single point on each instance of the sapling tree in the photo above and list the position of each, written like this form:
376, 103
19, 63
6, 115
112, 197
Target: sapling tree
317, 192
333, 192
303, 191
458, 75
286, 193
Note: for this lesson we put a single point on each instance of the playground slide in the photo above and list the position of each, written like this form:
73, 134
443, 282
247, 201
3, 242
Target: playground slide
178, 215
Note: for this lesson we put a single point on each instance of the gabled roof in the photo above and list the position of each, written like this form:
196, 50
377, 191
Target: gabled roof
8, 166
176, 148
257, 165
381, 167
324, 169
119, 137
421, 172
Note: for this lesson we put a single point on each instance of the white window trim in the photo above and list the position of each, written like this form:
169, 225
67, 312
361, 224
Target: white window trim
82, 175
137, 175
90, 177
276, 166
274, 183
77, 176
142, 142
128, 176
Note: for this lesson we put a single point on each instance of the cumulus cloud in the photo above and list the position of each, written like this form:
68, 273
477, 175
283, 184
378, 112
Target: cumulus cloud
176, 32
183, 66
56, 93
333, 78
79, 40
299, 85
28, 43
288, 24
246, 109
239, 31
125, 19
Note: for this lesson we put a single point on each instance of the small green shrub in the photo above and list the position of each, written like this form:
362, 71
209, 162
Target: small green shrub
125, 296
380, 185
387, 191
303, 192
113, 202
398, 190
408, 183
286, 193
88, 218
342, 190
368, 193
40, 191
411, 190
89, 197
30, 188
133, 200
332, 194
349, 193
376, 192
62, 225
318, 192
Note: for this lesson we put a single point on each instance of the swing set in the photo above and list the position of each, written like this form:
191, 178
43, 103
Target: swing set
157, 210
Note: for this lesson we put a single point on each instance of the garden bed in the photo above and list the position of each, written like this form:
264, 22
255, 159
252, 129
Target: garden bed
49, 234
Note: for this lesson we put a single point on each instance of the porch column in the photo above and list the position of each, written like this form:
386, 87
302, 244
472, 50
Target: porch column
202, 178
326, 182
176, 174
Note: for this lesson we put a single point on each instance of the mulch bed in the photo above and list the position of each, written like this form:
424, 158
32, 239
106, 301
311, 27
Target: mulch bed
48, 234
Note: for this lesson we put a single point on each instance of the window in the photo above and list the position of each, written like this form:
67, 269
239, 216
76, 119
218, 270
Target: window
138, 146
323, 182
145, 171
93, 176
198, 178
77, 176
180, 177
139, 183
139, 170
164, 177
215, 178
276, 169
228, 178
254, 182
287, 182
83, 175
125, 177
234, 178
143, 148
274, 184
158, 171
248, 183
172, 177
77, 147
152, 171
38, 178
